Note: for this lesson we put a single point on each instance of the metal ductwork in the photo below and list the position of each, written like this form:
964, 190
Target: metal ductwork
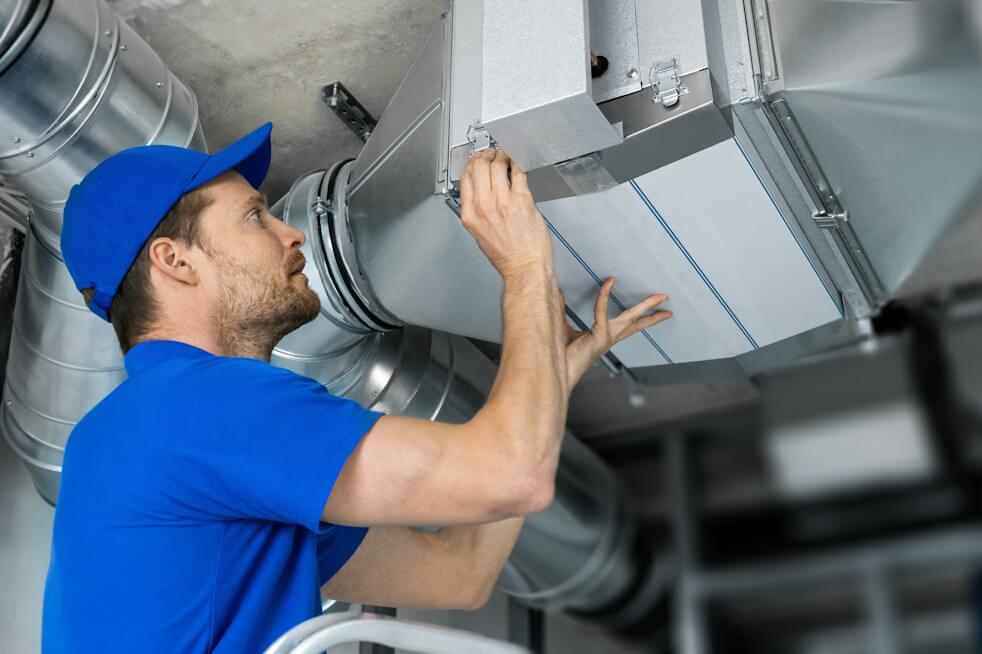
76, 85
729, 157
583, 553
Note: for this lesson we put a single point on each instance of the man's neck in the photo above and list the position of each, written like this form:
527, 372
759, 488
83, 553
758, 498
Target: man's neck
229, 342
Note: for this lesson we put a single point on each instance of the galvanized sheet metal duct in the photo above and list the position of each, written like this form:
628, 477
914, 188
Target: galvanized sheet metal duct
707, 198
87, 86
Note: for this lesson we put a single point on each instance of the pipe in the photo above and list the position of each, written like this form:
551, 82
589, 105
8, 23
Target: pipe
104, 90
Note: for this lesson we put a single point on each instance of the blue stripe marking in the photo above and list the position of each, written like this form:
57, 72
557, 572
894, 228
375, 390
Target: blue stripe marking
692, 262
599, 282
791, 231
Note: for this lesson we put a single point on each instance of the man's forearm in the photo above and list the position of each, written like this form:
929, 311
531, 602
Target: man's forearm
527, 404
481, 551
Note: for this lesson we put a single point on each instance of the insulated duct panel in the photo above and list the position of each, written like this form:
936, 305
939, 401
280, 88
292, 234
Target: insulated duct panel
704, 231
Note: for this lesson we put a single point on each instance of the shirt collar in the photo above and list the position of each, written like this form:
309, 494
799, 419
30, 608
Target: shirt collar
150, 353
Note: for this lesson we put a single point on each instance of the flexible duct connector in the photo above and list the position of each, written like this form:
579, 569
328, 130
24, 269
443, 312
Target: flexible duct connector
76, 85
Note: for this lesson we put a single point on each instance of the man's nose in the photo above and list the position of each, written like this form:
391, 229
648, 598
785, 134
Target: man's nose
291, 236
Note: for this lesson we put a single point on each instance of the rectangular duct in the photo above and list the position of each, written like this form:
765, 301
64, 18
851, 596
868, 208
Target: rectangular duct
705, 195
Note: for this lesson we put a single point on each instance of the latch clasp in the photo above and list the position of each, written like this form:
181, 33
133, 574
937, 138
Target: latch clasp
665, 82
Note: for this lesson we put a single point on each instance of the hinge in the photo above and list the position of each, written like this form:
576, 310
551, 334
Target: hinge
665, 82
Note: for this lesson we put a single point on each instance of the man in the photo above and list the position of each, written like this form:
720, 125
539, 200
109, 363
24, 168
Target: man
207, 498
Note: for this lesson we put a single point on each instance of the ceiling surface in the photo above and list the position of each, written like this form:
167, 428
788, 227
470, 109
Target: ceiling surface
249, 61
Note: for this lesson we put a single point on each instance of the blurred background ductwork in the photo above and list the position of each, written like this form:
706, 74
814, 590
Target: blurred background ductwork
791, 464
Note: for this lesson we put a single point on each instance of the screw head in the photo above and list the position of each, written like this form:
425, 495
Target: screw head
159, 85
633, 73
30, 155
366, 134
123, 48
108, 32
332, 101
16, 139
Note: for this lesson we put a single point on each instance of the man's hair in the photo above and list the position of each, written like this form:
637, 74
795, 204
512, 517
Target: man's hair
134, 310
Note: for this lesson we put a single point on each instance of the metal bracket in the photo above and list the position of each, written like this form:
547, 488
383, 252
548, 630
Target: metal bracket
347, 107
479, 137
664, 78
828, 211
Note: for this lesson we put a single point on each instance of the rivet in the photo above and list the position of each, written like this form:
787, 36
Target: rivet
109, 32
16, 139
10, 403
633, 73
30, 155
159, 85
332, 101
122, 47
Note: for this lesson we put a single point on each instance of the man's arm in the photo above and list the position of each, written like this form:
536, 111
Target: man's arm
502, 462
454, 568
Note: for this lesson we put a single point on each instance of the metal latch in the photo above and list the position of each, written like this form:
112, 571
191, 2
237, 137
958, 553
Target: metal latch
834, 220
664, 78
479, 137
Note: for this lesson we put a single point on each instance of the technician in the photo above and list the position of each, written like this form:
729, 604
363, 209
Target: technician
207, 499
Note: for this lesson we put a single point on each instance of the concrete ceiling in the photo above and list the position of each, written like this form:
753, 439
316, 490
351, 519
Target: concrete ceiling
249, 61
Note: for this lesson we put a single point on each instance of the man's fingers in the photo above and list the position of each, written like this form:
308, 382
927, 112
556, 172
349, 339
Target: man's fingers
519, 180
480, 168
466, 190
499, 176
641, 324
603, 299
644, 306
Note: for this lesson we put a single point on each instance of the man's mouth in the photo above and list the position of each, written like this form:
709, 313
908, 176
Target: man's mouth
299, 267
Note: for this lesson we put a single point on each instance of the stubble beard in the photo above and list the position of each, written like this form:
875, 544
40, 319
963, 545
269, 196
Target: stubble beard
258, 308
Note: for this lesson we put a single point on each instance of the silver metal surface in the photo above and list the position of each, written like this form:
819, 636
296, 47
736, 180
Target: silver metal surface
536, 87
86, 87
671, 29
330, 630
348, 109
728, 51
14, 16
614, 35
49, 143
63, 360
888, 96
14, 209
654, 135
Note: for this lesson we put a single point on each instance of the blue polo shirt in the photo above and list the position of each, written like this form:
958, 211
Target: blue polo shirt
189, 513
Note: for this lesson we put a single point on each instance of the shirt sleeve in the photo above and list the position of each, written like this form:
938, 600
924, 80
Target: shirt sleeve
261, 442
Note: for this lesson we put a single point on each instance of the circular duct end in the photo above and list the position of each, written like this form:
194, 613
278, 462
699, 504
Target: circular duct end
19, 22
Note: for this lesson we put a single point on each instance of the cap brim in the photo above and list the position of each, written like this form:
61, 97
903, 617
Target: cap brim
249, 156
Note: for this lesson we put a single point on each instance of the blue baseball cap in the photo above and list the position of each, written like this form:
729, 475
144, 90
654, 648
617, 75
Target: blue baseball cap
111, 213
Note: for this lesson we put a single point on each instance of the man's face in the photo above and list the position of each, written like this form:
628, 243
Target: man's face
253, 262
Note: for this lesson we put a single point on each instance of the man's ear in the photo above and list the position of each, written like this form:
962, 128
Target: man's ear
172, 258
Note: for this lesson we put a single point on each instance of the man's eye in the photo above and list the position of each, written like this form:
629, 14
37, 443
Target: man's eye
256, 215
